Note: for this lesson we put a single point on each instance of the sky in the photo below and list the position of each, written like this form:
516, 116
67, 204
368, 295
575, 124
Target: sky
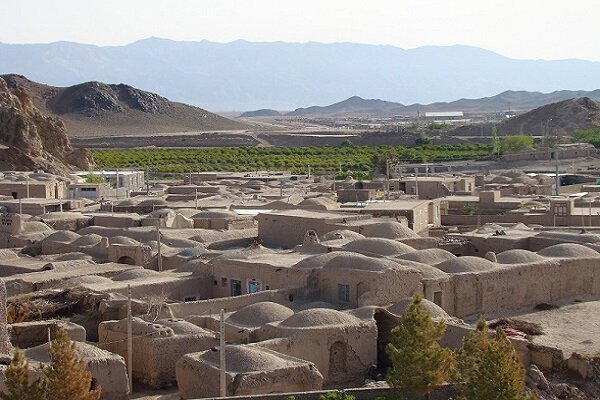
526, 29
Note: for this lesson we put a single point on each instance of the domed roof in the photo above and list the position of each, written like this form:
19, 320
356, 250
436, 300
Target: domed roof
63, 236
192, 252
153, 202
127, 202
73, 256
87, 280
341, 234
322, 203
259, 314
568, 250
62, 215
88, 240
348, 260
428, 256
182, 327
215, 214
428, 271
518, 256
432, 309
501, 179
136, 273
319, 317
380, 246
123, 240
390, 230
465, 264
247, 359
316, 261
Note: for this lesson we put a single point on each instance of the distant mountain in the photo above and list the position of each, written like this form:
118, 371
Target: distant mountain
98, 109
247, 76
560, 118
263, 112
514, 100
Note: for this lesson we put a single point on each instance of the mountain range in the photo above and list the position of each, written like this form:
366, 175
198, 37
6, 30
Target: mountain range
245, 75
509, 100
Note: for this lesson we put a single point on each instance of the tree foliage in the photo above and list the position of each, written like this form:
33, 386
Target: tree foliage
469, 209
66, 378
515, 143
337, 395
490, 369
591, 136
418, 360
17, 382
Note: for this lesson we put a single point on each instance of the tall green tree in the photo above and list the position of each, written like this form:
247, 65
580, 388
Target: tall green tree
490, 369
66, 378
515, 143
16, 380
418, 360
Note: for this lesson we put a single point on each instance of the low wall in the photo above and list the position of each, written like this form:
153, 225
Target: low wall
442, 392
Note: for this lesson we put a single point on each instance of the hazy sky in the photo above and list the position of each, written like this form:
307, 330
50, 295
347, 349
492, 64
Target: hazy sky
546, 29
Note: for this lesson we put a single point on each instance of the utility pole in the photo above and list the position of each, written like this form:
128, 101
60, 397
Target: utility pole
147, 180
196, 198
222, 382
281, 188
27, 181
129, 341
159, 252
20, 206
387, 176
590, 214
309, 172
557, 191
417, 182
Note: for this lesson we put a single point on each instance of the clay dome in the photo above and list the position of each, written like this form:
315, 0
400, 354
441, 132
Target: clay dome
87, 280
192, 252
426, 270
215, 214
63, 236
432, 309
137, 273
157, 202
518, 256
321, 203
379, 246
348, 260
501, 179
88, 240
568, 250
247, 359
389, 230
316, 261
182, 327
259, 314
162, 213
465, 264
123, 240
319, 317
428, 256
341, 234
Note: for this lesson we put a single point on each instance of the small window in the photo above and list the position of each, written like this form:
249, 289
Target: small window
190, 298
343, 292
223, 282
437, 298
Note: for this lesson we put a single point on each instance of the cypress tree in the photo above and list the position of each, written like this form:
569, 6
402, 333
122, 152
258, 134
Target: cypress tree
418, 360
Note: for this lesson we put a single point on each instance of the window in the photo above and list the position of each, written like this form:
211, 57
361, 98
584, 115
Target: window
560, 209
236, 287
253, 287
437, 298
190, 298
88, 189
343, 292
223, 282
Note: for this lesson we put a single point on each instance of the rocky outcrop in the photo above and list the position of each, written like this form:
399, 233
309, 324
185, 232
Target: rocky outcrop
32, 140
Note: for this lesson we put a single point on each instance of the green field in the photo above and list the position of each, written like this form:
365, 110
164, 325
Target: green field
321, 159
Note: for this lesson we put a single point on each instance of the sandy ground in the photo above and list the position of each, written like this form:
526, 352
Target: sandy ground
142, 393
574, 327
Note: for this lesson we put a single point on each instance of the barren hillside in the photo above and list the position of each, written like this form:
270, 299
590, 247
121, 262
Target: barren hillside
99, 109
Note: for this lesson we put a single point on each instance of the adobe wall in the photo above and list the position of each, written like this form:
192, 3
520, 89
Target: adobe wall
341, 353
5, 346
270, 277
154, 359
287, 231
368, 287
516, 286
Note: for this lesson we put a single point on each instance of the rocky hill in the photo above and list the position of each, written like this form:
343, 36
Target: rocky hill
99, 109
30, 140
556, 119
263, 112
